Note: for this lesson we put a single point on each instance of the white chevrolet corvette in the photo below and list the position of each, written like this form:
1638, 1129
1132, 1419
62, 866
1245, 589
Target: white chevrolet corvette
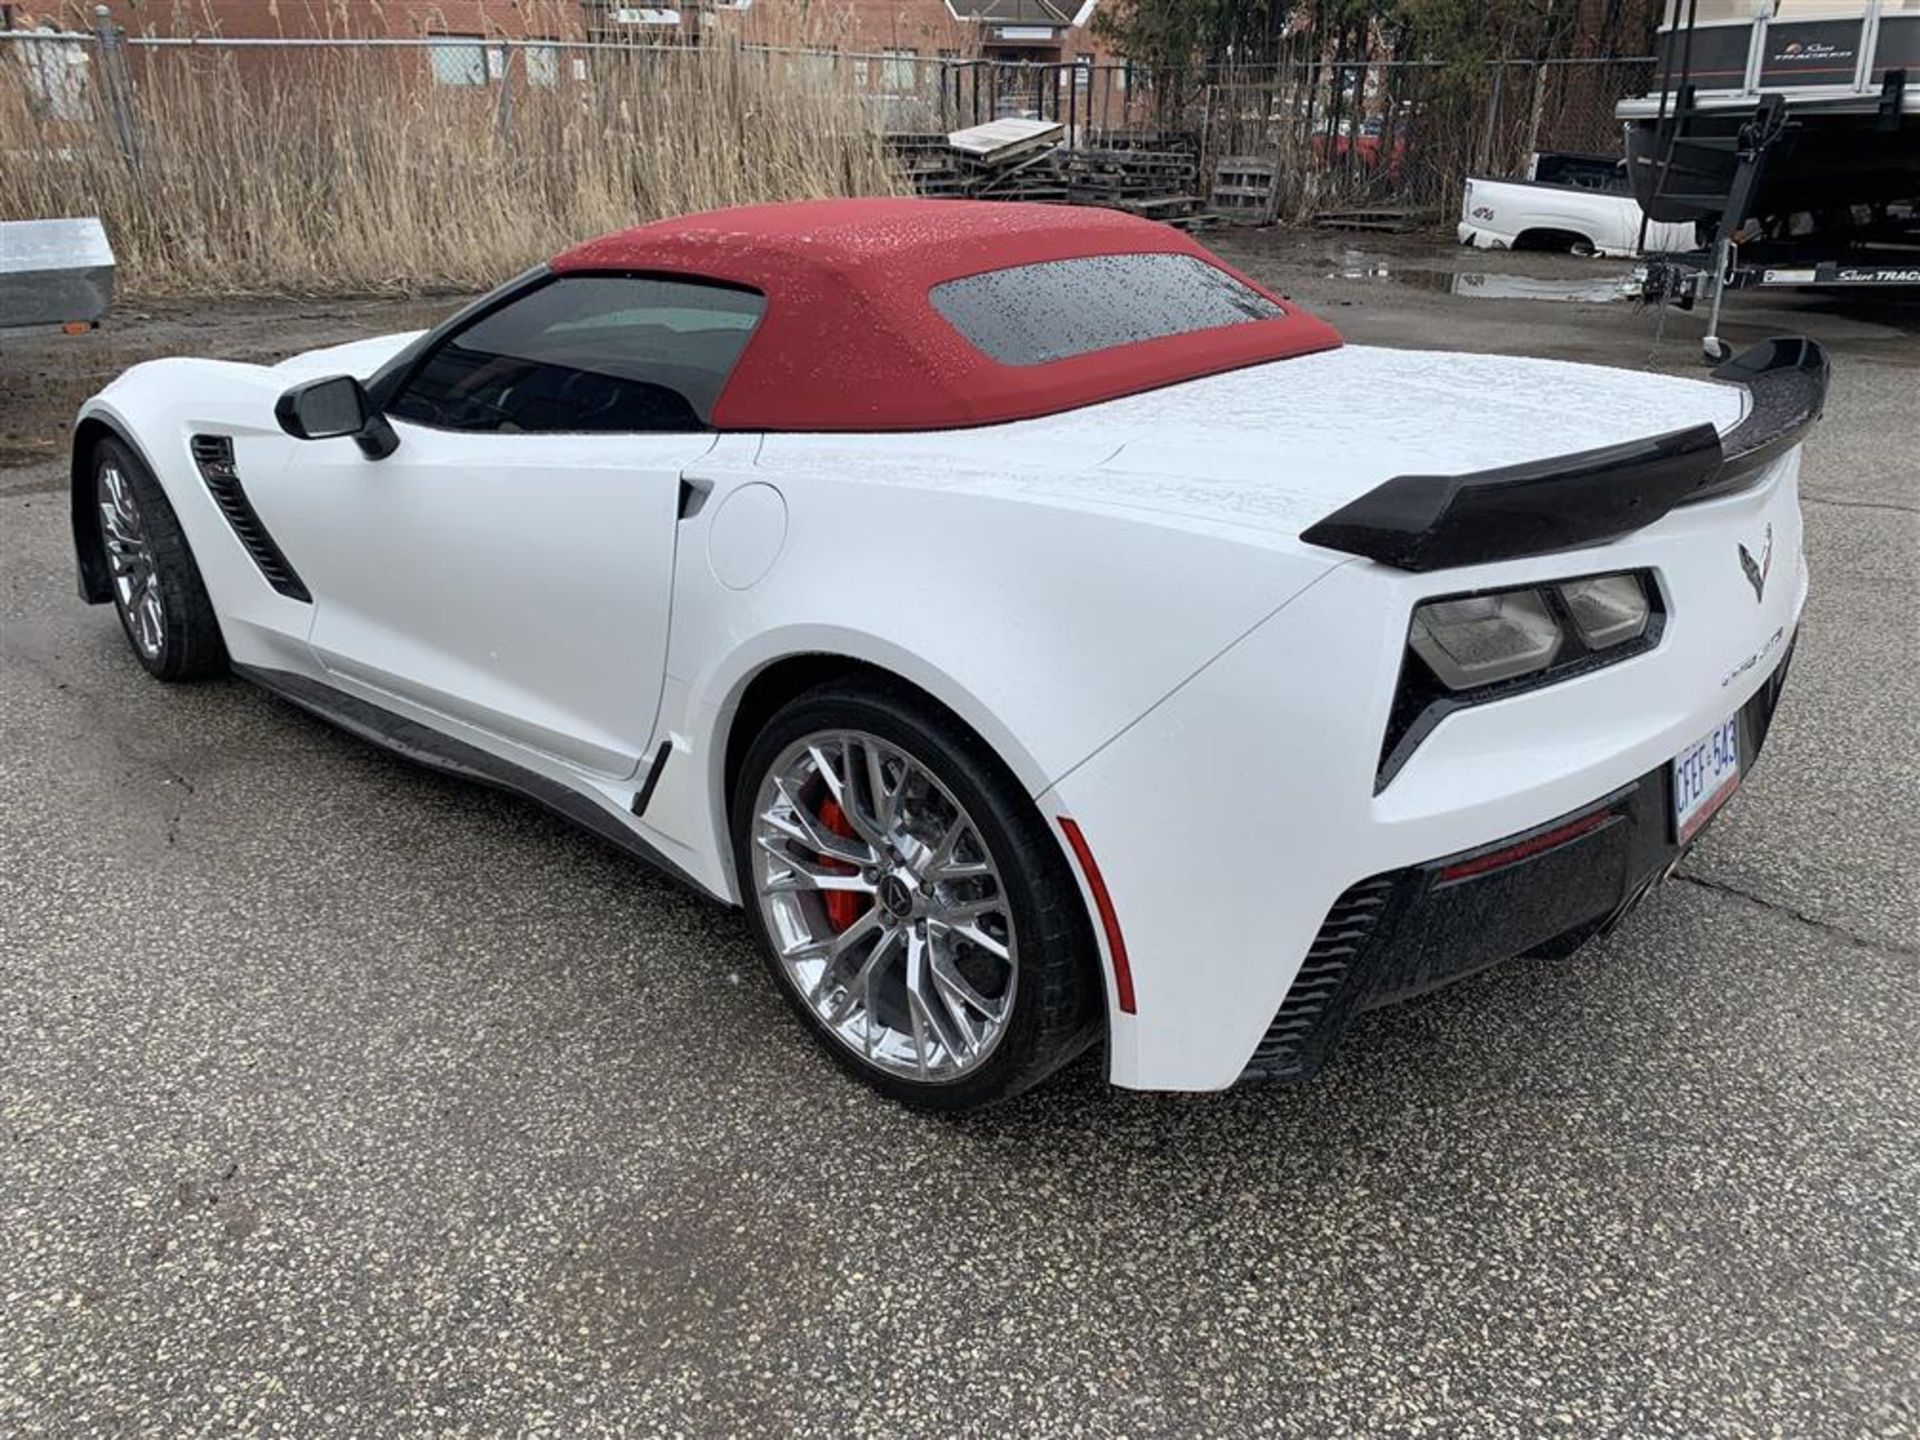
1045, 633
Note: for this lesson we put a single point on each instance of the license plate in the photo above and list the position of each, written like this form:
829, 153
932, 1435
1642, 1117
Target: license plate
1705, 775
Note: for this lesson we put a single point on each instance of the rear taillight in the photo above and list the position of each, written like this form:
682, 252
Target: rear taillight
1484, 639
1472, 641
1608, 610
1469, 649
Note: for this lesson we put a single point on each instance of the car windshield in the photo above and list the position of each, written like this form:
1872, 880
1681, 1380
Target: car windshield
1031, 314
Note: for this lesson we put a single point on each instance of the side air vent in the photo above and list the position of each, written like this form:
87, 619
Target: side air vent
1315, 1011
214, 455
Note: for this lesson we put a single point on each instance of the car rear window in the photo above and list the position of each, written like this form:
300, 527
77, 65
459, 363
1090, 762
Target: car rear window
1031, 314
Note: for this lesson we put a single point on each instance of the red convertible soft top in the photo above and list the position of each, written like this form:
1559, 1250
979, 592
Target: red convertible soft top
851, 340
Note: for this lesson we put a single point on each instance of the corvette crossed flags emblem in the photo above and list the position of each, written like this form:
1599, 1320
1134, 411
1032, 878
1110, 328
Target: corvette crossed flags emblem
1757, 572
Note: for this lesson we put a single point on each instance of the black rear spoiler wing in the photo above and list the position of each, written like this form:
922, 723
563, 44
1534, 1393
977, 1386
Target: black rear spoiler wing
1432, 522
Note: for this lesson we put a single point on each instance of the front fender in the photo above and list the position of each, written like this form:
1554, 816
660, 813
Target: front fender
132, 409
154, 409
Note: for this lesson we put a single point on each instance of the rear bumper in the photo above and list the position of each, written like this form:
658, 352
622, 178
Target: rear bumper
1400, 934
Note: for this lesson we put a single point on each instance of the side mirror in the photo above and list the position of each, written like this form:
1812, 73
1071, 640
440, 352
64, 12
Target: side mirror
336, 406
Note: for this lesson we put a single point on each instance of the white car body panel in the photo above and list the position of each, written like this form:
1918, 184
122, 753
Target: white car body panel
1115, 598
1494, 214
357, 357
423, 565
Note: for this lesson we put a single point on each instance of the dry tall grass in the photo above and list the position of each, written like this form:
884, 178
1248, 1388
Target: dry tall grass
329, 171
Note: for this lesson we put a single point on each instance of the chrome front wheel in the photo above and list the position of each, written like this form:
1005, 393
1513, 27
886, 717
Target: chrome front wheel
150, 572
129, 550
885, 907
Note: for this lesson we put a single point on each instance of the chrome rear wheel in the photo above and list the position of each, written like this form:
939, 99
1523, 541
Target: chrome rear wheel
886, 909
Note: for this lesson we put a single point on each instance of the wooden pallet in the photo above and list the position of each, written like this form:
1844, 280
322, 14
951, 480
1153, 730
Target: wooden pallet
1165, 207
1132, 164
1138, 180
1033, 177
1142, 161
1156, 179
906, 142
1162, 140
1001, 142
1243, 188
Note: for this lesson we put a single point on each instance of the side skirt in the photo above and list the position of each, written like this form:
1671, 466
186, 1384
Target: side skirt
416, 742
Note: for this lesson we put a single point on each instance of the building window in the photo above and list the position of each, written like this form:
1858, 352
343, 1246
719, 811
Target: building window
543, 65
902, 71
56, 75
816, 68
458, 60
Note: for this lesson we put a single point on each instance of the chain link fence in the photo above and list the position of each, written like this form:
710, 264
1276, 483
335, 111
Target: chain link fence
1407, 133
326, 167
645, 129
1387, 133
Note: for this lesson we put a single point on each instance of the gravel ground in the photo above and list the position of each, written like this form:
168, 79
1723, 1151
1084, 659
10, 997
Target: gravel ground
338, 1099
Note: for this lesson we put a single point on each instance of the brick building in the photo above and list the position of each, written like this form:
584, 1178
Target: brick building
250, 19
1049, 31
1044, 31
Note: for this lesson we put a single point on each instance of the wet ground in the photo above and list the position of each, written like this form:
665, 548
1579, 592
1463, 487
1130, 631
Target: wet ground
339, 1099
44, 379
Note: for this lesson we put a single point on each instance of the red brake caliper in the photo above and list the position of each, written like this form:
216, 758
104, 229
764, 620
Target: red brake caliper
843, 906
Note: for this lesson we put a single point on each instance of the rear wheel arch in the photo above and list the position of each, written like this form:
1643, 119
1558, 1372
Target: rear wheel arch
770, 687
1554, 237
766, 692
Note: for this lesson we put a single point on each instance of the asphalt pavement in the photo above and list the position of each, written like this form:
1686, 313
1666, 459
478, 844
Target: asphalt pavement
341, 1099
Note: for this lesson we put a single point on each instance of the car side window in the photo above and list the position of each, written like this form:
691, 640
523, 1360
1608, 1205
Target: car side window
587, 354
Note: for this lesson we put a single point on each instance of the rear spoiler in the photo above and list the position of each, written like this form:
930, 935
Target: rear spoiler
1431, 522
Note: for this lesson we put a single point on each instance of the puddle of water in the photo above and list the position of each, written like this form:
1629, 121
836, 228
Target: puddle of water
1594, 289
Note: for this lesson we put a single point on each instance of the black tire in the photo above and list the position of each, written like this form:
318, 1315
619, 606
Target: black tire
1059, 1000
190, 645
